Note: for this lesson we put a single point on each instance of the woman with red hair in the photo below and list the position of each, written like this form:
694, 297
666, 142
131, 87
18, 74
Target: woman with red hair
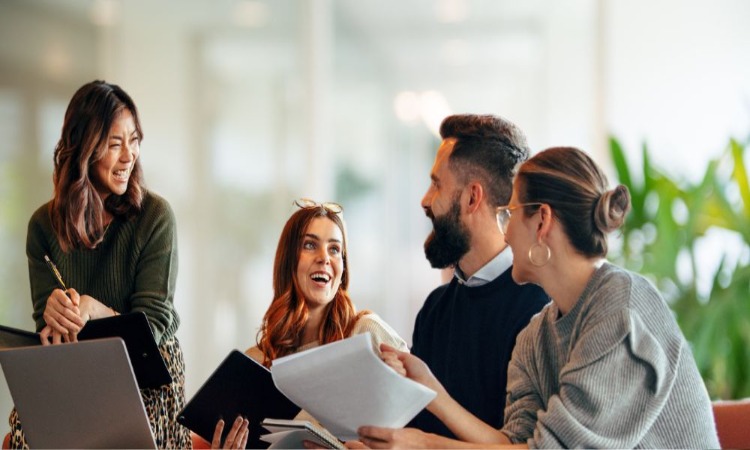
310, 305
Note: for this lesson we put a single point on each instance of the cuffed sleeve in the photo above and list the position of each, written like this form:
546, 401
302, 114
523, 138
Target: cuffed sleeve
611, 392
381, 332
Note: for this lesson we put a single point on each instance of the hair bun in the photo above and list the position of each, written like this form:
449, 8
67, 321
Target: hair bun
611, 209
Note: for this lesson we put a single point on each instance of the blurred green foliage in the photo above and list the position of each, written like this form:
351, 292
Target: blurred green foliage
668, 220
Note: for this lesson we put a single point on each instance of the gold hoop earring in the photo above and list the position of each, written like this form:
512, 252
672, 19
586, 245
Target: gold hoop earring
537, 252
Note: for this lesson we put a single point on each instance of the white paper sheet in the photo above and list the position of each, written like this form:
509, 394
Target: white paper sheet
292, 439
345, 385
293, 433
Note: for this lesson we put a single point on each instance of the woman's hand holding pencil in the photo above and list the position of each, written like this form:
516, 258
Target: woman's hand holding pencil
62, 314
67, 311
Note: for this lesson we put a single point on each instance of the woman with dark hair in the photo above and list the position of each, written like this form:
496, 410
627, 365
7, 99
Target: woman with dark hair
604, 365
311, 305
114, 242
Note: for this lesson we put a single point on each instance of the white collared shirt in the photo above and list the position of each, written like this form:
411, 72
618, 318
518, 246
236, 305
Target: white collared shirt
493, 269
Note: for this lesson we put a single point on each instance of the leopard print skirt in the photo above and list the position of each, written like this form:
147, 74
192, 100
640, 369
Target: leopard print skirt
162, 406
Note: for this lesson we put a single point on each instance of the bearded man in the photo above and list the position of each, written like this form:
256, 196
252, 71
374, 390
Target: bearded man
466, 329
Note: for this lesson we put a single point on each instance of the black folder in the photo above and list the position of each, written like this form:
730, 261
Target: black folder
239, 386
148, 365
13, 337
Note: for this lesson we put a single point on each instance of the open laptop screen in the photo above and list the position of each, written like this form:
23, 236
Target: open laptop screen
79, 395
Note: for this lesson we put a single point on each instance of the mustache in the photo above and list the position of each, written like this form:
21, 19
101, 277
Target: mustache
429, 214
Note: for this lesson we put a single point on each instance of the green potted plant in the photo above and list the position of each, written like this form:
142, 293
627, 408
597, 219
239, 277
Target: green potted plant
669, 217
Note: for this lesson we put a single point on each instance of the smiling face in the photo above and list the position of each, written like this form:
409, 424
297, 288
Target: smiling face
321, 262
111, 174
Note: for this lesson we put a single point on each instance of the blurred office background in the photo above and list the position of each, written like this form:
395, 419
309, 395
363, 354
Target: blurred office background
249, 104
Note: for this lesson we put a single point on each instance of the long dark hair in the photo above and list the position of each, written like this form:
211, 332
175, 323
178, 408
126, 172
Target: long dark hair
77, 209
280, 333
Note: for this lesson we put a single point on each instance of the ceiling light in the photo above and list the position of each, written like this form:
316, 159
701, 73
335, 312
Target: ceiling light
452, 11
250, 13
406, 106
433, 109
104, 13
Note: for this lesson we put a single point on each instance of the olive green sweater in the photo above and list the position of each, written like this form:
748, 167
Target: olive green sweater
133, 269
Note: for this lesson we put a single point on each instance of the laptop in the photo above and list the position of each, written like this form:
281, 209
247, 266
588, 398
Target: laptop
78, 395
148, 365
239, 386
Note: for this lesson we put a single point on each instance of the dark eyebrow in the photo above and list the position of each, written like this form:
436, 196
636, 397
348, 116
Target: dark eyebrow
117, 136
315, 237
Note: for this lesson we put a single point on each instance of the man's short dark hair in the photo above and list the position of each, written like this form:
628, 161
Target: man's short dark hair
488, 148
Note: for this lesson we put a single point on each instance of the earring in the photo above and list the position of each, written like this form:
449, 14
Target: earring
539, 254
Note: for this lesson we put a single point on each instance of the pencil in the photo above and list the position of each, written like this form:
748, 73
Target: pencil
55, 272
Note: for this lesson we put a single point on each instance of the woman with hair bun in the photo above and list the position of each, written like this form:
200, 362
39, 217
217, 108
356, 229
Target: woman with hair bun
604, 365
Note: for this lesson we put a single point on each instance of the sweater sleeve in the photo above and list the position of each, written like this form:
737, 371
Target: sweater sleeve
381, 333
523, 397
612, 389
41, 281
156, 271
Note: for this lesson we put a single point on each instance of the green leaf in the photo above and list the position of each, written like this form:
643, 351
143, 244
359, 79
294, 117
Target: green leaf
740, 175
621, 164
716, 328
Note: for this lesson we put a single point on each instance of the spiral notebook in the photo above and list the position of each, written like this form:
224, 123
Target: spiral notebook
293, 433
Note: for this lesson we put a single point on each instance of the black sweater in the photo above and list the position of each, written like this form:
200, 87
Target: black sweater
466, 336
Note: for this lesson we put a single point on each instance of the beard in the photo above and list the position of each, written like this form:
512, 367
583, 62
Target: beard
449, 240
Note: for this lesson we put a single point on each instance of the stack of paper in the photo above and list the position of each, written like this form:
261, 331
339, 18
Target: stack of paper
293, 433
345, 385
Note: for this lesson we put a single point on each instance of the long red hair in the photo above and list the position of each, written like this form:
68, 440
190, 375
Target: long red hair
280, 333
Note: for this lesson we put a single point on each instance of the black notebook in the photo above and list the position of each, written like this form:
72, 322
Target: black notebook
239, 386
13, 337
148, 365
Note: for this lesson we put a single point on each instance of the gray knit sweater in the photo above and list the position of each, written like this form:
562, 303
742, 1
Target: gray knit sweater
615, 372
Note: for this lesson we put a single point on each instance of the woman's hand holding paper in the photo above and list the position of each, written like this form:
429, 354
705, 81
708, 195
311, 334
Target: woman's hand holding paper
411, 367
